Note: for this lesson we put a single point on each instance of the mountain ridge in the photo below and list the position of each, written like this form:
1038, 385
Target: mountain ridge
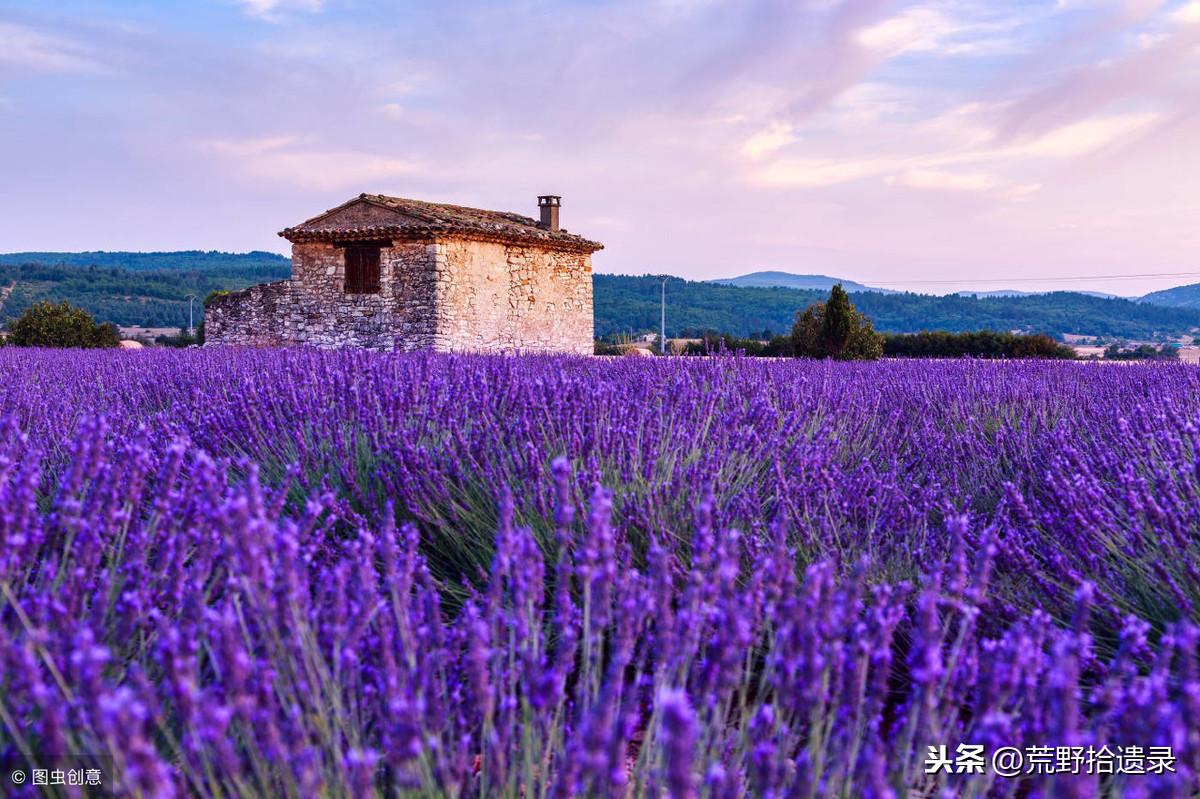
781, 279
793, 280
1176, 297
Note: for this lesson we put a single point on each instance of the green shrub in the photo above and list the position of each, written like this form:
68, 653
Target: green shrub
212, 295
975, 344
47, 325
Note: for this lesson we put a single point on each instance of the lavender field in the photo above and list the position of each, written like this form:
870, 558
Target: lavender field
301, 573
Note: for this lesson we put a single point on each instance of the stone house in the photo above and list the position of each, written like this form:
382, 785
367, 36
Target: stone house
387, 273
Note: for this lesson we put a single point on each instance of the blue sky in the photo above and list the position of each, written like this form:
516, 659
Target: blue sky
929, 145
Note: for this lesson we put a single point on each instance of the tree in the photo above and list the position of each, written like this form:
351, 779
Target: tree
46, 325
806, 332
835, 329
838, 322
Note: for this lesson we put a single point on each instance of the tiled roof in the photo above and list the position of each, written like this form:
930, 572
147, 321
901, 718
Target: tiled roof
419, 218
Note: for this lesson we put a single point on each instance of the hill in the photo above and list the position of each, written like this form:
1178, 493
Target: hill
789, 280
793, 281
1015, 293
188, 260
148, 289
1178, 297
151, 289
627, 304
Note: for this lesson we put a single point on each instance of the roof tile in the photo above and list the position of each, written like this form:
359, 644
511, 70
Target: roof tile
422, 218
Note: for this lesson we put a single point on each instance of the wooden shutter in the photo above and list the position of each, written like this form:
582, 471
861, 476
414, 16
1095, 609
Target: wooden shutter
369, 257
353, 270
362, 269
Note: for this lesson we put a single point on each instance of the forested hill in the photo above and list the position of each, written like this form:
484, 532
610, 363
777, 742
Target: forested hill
625, 304
130, 288
151, 289
1179, 297
242, 263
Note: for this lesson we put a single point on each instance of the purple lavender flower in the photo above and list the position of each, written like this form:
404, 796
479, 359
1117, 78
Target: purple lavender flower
284, 573
679, 736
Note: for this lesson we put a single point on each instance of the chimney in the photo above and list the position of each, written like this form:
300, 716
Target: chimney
548, 204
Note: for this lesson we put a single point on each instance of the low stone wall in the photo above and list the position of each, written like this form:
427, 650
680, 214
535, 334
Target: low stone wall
247, 317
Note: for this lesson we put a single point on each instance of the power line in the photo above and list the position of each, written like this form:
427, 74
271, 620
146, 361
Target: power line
1072, 278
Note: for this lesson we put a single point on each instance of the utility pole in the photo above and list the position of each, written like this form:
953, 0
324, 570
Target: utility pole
191, 298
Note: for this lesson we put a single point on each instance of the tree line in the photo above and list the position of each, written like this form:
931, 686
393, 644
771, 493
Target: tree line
628, 305
977, 344
247, 263
837, 329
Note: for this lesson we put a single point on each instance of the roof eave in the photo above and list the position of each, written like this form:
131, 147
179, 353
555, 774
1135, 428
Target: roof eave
575, 243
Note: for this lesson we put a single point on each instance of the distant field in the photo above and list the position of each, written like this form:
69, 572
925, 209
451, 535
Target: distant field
138, 332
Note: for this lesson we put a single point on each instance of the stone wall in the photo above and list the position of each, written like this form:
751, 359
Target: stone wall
314, 308
248, 316
445, 294
496, 297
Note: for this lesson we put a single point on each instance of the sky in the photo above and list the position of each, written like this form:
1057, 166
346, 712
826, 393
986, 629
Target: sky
932, 146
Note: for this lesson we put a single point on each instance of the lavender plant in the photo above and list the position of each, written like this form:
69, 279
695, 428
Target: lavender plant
343, 574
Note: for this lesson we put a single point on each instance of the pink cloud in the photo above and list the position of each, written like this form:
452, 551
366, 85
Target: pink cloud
1088, 88
876, 139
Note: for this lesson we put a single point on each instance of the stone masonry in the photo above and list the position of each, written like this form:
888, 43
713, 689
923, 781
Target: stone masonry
450, 279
